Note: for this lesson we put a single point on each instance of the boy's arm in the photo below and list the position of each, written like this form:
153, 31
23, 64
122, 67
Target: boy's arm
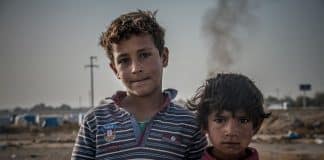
85, 145
199, 143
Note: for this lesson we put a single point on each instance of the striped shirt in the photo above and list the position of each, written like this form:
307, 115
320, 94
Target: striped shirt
110, 132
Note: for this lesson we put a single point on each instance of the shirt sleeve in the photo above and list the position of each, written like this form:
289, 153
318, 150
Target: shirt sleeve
199, 143
85, 144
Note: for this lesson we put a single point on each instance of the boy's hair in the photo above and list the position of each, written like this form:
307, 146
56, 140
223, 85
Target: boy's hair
132, 23
228, 92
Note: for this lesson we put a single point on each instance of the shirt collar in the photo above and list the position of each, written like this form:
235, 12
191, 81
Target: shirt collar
169, 93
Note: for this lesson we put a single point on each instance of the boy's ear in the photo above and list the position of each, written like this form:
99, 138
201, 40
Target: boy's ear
113, 68
165, 56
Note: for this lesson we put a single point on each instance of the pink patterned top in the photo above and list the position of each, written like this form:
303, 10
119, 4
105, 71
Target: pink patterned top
252, 154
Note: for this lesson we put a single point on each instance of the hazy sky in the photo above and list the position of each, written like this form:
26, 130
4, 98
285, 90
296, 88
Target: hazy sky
45, 44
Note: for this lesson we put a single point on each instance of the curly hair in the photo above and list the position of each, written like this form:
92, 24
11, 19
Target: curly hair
228, 92
132, 23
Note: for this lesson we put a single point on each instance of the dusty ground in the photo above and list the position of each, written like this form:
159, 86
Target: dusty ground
38, 144
272, 142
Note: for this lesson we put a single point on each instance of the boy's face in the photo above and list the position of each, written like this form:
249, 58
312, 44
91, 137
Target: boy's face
138, 64
230, 135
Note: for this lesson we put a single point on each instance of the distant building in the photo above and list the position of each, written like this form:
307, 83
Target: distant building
51, 122
26, 119
278, 106
5, 120
74, 118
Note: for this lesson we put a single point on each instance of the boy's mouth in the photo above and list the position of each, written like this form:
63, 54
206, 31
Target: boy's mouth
139, 80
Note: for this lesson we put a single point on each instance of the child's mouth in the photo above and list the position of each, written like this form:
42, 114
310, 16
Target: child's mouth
231, 143
140, 82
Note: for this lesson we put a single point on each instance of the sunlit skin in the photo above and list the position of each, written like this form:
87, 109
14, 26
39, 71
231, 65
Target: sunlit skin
138, 64
229, 134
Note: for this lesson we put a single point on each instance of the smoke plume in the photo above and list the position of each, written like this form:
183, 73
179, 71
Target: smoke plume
219, 25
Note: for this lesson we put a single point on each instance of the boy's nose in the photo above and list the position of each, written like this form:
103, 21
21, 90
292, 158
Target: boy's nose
136, 67
231, 128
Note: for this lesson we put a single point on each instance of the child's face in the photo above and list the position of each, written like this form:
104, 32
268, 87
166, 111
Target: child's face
138, 64
229, 135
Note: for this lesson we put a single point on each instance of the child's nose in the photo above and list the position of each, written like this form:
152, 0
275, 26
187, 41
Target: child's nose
231, 128
136, 67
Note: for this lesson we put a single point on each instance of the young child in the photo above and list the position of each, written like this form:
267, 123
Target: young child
141, 122
230, 110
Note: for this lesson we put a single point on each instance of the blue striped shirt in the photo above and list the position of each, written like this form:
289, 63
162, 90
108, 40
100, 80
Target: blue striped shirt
110, 132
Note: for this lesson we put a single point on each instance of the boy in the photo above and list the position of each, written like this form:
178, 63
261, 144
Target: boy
230, 110
141, 123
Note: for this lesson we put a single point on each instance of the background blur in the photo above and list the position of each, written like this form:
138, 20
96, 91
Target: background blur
44, 46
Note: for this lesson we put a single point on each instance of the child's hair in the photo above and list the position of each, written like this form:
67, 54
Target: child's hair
133, 23
228, 92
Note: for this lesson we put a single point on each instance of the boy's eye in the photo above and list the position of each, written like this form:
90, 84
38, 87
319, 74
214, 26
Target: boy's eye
123, 61
144, 54
244, 120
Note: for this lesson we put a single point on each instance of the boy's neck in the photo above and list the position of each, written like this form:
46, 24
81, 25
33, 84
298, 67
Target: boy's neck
143, 107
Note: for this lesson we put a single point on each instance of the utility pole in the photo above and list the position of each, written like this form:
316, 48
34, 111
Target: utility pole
277, 93
91, 66
304, 99
80, 101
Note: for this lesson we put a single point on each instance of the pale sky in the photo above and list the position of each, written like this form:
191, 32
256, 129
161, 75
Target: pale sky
45, 44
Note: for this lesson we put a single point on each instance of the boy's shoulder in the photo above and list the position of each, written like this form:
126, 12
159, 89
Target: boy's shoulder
176, 107
103, 109
176, 113
179, 108
107, 105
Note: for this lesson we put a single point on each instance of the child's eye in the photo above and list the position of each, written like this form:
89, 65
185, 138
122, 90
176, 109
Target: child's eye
244, 120
123, 61
219, 120
144, 55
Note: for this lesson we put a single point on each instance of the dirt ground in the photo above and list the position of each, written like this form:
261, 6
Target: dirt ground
33, 143
272, 142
